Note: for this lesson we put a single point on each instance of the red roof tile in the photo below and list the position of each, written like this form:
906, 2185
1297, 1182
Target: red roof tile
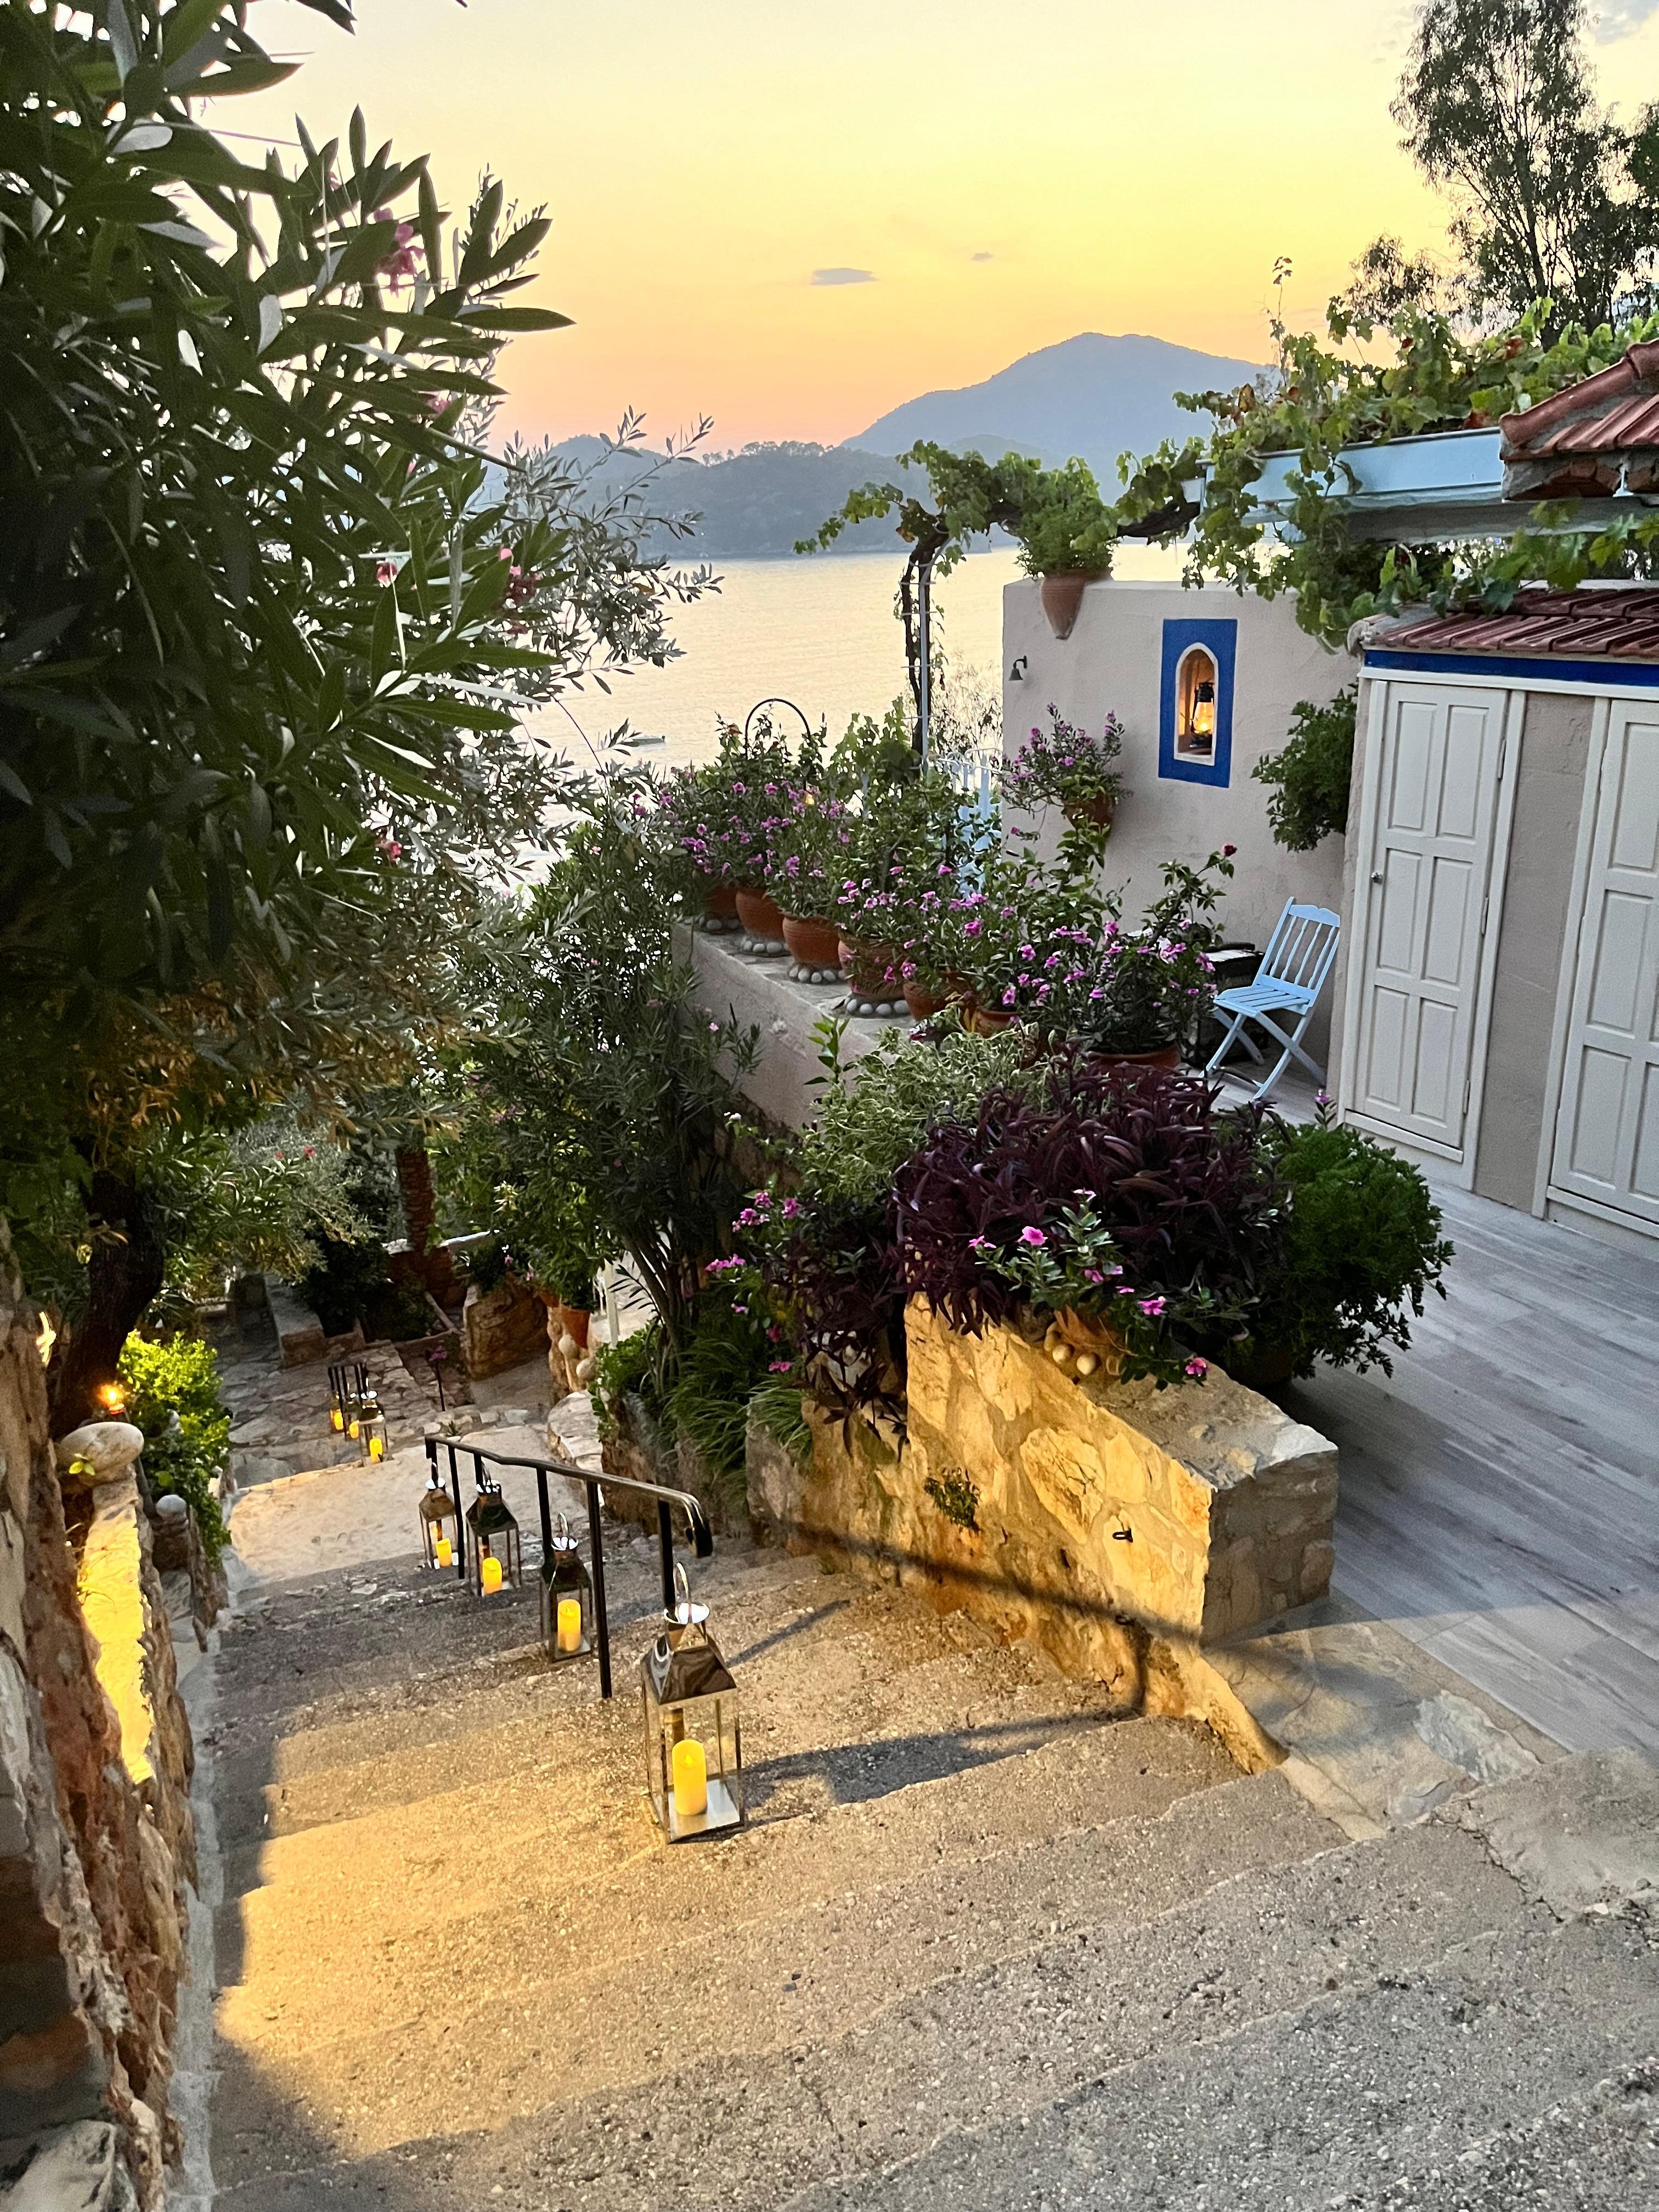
1594, 625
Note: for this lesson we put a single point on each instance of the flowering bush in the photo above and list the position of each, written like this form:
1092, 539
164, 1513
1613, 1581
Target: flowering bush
810, 847
1118, 1192
915, 845
1066, 767
718, 814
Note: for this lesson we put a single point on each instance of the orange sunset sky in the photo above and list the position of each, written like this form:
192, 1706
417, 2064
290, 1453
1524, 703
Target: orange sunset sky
986, 176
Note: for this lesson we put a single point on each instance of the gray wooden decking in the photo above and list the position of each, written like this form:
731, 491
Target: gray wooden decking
1499, 1495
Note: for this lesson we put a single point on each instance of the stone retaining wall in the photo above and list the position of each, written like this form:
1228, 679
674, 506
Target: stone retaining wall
96, 1833
1123, 1528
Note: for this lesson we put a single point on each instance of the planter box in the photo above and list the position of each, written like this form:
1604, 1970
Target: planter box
1122, 1527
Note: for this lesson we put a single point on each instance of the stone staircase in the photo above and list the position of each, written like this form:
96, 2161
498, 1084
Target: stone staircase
980, 1945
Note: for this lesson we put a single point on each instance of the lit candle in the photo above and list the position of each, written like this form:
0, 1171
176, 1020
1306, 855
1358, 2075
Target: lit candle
337, 1417
690, 1778
570, 1624
377, 1446
489, 1574
354, 1428
444, 1551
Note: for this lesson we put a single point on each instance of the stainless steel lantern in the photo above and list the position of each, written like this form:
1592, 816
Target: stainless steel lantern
566, 1598
693, 1743
494, 1562
375, 1439
438, 1525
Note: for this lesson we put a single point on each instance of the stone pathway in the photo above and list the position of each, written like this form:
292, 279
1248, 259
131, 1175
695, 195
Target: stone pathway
980, 1945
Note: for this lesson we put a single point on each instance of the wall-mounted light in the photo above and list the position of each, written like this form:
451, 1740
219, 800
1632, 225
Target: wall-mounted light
1016, 673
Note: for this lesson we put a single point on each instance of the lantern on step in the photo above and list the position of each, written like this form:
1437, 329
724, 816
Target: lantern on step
372, 1429
438, 1525
493, 1563
566, 1598
693, 1744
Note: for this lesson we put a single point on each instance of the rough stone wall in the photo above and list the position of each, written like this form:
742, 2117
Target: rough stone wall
93, 1857
1122, 1528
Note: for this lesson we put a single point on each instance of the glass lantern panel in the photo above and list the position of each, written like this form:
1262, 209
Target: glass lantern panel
694, 1756
567, 1618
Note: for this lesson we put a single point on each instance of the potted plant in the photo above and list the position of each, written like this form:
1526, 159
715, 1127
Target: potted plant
1066, 767
1065, 534
808, 851
912, 843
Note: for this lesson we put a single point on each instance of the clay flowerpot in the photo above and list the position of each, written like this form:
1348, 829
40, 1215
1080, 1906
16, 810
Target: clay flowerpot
760, 915
720, 903
869, 967
990, 1021
1062, 596
1100, 811
573, 1321
814, 944
924, 1001
1163, 1055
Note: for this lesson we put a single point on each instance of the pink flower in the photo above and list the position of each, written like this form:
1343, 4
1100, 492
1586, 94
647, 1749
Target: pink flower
1031, 1235
1152, 1306
779, 1366
1227, 851
980, 1244
1197, 1369
385, 572
391, 847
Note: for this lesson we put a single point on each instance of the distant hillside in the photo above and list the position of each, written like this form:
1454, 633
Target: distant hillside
760, 502
1092, 396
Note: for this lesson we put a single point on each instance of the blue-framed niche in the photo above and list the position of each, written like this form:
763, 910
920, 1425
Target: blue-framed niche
1195, 701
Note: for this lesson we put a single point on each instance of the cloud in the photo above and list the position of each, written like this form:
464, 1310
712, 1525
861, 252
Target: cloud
844, 275
986, 257
1618, 18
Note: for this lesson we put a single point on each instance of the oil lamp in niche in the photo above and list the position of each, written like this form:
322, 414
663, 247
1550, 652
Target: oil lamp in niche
693, 1742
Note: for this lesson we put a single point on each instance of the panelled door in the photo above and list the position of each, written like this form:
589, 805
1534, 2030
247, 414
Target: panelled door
1429, 870
1607, 1136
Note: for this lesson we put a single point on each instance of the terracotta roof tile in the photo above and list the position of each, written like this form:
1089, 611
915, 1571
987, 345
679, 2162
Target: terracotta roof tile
1597, 625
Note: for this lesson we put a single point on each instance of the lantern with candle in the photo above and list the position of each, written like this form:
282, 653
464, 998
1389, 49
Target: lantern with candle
438, 1526
693, 1742
566, 1598
372, 1422
492, 1557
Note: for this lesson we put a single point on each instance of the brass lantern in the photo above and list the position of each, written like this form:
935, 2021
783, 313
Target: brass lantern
438, 1526
566, 1598
693, 1743
492, 1557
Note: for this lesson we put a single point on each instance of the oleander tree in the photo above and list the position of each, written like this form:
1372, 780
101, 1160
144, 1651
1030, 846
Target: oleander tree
270, 621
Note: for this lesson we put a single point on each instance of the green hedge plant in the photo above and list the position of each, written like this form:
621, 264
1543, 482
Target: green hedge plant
1308, 781
172, 1395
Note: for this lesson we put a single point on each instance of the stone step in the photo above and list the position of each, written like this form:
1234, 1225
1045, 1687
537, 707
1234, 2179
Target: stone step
1001, 2054
769, 1964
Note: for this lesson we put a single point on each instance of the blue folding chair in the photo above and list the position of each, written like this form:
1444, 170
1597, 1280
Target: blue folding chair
1300, 955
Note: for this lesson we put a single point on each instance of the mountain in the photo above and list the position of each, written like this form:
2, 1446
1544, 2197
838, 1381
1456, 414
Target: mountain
1090, 395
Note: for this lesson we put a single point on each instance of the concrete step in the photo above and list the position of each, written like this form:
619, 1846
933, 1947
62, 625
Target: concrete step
786, 1958
1310, 2108
990, 2054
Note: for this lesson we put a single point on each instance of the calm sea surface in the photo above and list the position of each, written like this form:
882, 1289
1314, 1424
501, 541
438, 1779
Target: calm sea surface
821, 632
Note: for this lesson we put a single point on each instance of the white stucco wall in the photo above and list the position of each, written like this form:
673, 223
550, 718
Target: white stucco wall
1112, 661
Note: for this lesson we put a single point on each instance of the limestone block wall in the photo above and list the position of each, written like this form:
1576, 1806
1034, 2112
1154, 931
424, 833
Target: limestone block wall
96, 1835
1122, 1527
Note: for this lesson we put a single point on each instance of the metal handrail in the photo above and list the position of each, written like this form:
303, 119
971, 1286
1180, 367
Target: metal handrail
702, 1536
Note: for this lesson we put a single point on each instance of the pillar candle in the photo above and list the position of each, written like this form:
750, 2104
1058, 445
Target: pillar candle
570, 1624
489, 1575
690, 1777
338, 1420
445, 1552
377, 1446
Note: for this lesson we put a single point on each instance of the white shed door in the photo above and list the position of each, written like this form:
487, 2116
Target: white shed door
1607, 1137
1429, 865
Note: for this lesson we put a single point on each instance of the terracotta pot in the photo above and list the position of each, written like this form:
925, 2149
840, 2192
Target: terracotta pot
868, 966
925, 1002
1164, 1055
721, 903
575, 1320
760, 915
989, 1021
1062, 596
1100, 810
814, 944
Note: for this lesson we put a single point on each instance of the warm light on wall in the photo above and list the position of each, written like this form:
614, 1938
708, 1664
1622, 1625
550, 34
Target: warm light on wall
46, 1337
1195, 704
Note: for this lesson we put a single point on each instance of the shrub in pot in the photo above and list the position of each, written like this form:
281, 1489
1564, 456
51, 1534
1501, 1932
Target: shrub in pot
1065, 766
